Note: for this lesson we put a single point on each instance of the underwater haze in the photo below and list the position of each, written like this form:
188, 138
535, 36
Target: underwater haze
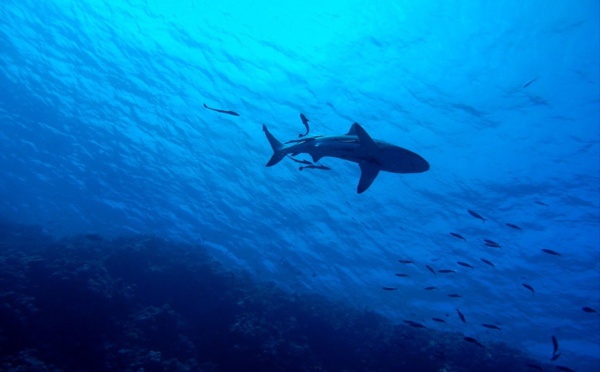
144, 118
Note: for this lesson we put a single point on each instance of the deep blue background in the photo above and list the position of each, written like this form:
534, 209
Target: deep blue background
102, 130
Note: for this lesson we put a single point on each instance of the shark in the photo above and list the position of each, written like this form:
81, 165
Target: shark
371, 155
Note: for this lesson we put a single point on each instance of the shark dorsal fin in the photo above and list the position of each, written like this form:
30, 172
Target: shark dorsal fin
352, 131
366, 142
368, 172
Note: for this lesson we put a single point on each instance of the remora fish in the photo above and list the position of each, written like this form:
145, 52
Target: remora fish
513, 226
529, 287
464, 264
461, 316
356, 146
314, 166
487, 262
458, 236
473, 341
550, 251
476, 215
223, 111
491, 326
430, 269
555, 350
305, 122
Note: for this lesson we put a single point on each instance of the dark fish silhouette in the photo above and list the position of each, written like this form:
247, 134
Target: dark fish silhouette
529, 287
439, 320
305, 162
461, 316
446, 271
513, 226
389, 288
473, 341
305, 122
458, 236
476, 215
550, 251
406, 261
314, 166
487, 262
491, 326
555, 349
430, 269
430, 288
414, 324
401, 275
488, 241
535, 366
588, 309
540, 203
464, 264
222, 111
454, 295
529, 82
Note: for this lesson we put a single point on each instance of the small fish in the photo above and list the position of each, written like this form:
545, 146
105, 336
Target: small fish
491, 326
439, 320
555, 349
535, 366
454, 295
464, 264
476, 215
458, 236
314, 166
461, 316
305, 122
550, 251
487, 262
588, 309
406, 261
222, 111
529, 82
389, 288
540, 203
446, 271
430, 269
430, 288
417, 325
305, 162
488, 241
513, 226
473, 341
492, 245
401, 275
529, 287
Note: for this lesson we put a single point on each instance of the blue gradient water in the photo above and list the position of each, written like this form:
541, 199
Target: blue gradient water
103, 130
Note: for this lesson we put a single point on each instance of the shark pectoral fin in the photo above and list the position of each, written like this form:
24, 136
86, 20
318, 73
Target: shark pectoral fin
368, 172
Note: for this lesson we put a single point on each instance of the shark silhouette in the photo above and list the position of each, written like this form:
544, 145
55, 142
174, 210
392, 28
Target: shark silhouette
357, 146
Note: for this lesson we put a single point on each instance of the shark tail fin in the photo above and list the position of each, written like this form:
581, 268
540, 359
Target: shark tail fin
278, 155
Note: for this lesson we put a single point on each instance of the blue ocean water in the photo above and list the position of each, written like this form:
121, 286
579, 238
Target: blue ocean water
103, 131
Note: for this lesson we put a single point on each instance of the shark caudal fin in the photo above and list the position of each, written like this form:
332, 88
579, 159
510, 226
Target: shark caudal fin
278, 155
